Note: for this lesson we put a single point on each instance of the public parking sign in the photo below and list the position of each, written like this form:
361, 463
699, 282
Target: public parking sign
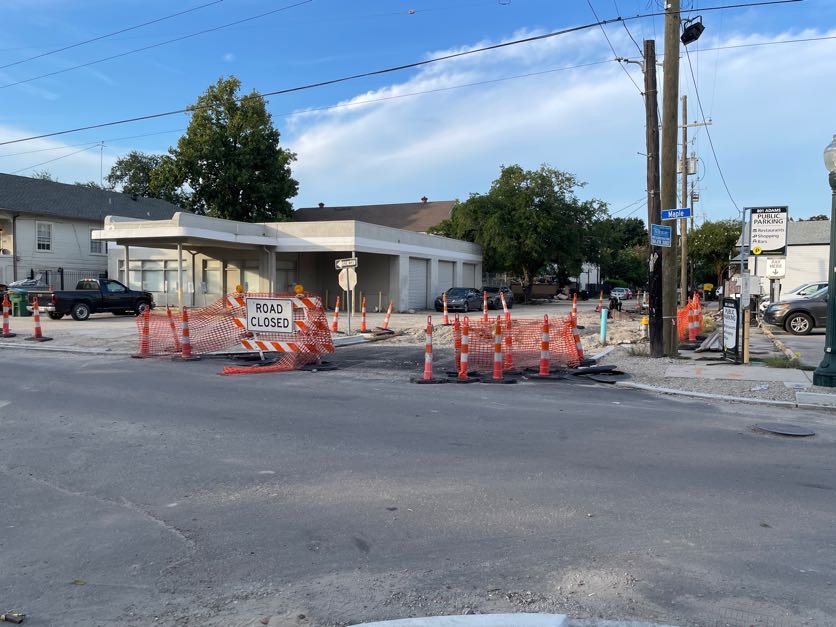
768, 231
660, 235
270, 315
674, 214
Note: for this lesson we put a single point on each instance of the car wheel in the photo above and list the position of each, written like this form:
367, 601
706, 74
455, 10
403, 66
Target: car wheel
799, 324
80, 312
54, 315
141, 306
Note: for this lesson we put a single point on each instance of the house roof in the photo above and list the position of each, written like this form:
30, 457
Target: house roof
411, 216
24, 195
808, 232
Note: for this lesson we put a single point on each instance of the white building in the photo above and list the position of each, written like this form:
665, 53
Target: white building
195, 259
808, 251
47, 226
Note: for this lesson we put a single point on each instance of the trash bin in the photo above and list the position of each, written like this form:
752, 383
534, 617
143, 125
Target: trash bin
19, 300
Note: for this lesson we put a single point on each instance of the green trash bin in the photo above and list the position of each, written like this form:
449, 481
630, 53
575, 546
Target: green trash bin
19, 300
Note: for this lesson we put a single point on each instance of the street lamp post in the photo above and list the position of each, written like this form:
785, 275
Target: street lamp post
825, 374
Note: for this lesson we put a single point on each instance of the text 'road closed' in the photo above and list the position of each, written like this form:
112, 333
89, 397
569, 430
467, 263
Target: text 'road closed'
270, 315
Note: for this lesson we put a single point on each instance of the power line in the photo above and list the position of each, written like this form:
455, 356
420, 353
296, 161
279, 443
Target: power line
638, 47
617, 58
707, 132
55, 159
625, 208
117, 32
388, 70
156, 45
112, 139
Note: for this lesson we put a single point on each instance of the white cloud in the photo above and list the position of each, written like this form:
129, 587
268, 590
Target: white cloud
771, 106
229, 57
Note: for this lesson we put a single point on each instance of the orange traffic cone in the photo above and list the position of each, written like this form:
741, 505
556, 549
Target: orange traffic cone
428, 358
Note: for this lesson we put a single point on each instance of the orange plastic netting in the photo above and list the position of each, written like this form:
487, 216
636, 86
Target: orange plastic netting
689, 320
522, 350
220, 327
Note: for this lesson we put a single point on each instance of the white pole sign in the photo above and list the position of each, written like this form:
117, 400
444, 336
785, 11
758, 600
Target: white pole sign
768, 231
776, 268
270, 315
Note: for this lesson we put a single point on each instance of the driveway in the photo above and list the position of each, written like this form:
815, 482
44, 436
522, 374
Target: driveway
810, 347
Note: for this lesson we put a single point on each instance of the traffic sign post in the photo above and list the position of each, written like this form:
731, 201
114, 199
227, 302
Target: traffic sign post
675, 214
347, 279
660, 235
348, 262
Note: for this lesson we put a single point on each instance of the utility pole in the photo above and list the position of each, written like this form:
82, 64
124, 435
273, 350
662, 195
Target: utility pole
683, 253
670, 96
654, 213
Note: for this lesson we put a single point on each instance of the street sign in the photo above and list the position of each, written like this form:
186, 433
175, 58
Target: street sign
270, 315
776, 267
348, 262
660, 235
673, 214
768, 231
348, 279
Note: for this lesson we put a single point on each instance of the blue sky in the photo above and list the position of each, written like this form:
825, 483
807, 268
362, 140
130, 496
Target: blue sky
772, 106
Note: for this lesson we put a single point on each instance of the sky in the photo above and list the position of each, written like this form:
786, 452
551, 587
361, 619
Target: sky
441, 130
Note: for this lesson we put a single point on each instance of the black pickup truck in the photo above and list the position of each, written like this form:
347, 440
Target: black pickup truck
92, 296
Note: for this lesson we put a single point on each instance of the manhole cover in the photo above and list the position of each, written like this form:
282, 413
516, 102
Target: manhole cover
782, 428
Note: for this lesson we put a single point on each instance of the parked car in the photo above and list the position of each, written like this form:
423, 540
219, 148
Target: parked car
460, 299
621, 293
92, 296
494, 301
799, 316
802, 291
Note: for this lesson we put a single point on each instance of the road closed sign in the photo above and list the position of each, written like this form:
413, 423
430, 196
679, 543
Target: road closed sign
768, 231
270, 315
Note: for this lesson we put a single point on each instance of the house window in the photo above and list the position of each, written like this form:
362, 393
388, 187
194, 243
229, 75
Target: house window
97, 246
43, 236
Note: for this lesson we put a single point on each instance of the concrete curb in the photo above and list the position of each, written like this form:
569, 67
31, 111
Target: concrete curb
778, 343
603, 353
723, 397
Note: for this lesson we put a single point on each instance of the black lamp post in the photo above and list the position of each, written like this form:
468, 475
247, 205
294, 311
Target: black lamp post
825, 374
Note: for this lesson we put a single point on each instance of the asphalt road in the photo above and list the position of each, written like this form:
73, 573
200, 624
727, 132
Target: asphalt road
810, 347
141, 492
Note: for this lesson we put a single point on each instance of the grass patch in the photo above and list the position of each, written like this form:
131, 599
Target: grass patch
781, 361
641, 350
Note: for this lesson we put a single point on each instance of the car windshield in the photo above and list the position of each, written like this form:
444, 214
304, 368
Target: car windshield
457, 292
491, 290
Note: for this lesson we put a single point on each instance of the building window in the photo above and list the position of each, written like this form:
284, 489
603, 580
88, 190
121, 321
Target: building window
97, 246
43, 236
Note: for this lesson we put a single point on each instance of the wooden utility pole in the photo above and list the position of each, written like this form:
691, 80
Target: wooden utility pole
670, 97
683, 253
651, 105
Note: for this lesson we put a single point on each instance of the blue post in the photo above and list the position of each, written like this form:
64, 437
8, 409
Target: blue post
604, 313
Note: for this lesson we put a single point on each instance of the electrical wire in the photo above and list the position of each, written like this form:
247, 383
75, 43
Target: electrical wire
55, 159
638, 47
380, 72
97, 143
617, 58
707, 132
117, 32
625, 208
156, 45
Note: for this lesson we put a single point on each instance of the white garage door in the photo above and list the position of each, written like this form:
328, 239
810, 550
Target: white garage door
417, 283
445, 276
469, 275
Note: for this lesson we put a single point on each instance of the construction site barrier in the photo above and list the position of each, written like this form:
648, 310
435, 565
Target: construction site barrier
689, 320
524, 341
7, 306
220, 327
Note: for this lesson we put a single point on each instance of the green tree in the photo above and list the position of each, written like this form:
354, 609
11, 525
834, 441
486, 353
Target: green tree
230, 159
44, 175
91, 185
528, 218
711, 245
131, 174
618, 246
